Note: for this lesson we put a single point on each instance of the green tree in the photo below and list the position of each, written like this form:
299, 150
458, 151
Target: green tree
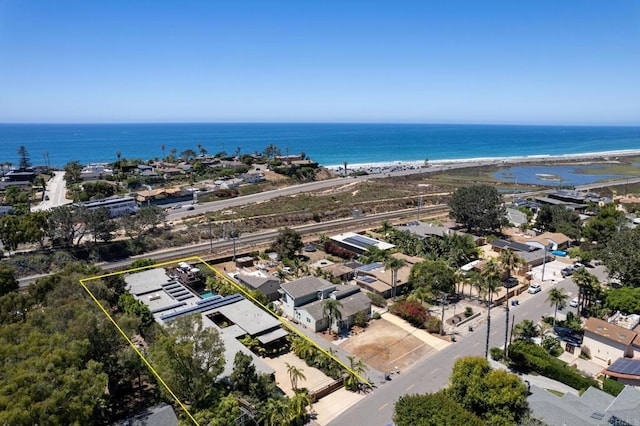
558, 299
588, 287
10, 232
621, 256
508, 261
331, 311
99, 225
25, 161
559, 219
190, 357
275, 413
606, 223
8, 280
496, 396
288, 243
244, 373
626, 300
479, 208
356, 370
436, 409
526, 330
297, 407
72, 173
66, 224
394, 264
491, 279
295, 374
435, 275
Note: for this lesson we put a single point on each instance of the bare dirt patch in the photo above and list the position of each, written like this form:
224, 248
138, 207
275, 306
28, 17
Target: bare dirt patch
385, 346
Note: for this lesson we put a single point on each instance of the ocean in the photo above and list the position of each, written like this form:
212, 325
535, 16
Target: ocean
328, 144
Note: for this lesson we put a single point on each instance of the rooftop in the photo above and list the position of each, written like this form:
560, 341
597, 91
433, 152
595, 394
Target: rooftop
306, 285
610, 331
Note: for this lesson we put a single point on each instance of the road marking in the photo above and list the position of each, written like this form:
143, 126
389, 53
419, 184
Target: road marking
494, 333
478, 343
410, 386
383, 406
435, 370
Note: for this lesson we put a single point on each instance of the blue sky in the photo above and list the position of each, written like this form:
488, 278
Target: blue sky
542, 62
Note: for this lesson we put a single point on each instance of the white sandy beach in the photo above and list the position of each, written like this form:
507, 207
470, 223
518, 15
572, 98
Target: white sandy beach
434, 165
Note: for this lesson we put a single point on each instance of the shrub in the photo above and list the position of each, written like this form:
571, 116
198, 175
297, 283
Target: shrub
611, 386
468, 311
497, 354
412, 312
529, 356
433, 324
375, 316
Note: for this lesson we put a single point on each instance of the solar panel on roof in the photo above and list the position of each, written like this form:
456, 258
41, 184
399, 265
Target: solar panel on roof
367, 279
358, 243
626, 366
370, 266
202, 308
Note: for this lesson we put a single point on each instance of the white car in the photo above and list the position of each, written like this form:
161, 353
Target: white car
574, 302
534, 288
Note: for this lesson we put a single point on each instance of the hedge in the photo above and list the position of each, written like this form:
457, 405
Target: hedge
529, 356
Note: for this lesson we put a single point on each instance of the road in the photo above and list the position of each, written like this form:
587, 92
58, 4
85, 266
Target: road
257, 239
432, 373
56, 191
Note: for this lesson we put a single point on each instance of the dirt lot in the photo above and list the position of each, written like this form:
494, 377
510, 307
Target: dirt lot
385, 346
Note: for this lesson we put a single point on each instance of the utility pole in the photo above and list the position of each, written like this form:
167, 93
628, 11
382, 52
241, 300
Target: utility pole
444, 296
210, 238
544, 262
233, 234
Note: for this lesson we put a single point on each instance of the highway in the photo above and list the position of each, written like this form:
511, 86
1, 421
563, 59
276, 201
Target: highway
432, 373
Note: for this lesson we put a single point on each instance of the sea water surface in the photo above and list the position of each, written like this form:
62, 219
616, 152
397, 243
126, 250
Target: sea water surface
328, 144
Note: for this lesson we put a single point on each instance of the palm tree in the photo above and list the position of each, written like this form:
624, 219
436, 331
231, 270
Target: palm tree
274, 412
162, 147
331, 311
585, 282
558, 298
526, 330
508, 260
491, 278
394, 264
356, 370
345, 168
420, 294
302, 347
295, 374
298, 407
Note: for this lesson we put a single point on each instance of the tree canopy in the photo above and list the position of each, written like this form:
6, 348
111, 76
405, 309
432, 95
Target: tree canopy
479, 208
621, 256
436, 409
559, 219
288, 243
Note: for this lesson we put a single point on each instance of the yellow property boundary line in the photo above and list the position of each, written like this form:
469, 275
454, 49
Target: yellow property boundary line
240, 288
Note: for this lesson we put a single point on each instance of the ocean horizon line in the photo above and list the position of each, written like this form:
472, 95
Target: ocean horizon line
391, 123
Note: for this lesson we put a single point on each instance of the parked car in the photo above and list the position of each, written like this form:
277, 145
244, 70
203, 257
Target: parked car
176, 207
510, 282
534, 288
190, 208
568, 271
574, 302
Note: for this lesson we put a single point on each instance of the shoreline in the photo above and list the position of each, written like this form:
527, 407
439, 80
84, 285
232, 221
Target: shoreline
393, 166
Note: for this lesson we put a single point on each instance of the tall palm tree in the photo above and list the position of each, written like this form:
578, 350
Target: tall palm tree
420, 294
295, 374
558, 298
162, 147
331, 311
526, 330
585, 282
394, 264
508, 261
491, 278
345, 168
